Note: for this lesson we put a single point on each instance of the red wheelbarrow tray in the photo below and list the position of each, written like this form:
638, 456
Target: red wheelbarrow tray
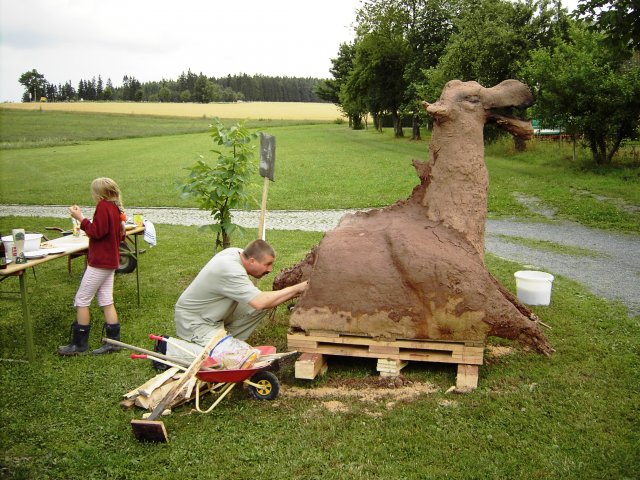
235, 376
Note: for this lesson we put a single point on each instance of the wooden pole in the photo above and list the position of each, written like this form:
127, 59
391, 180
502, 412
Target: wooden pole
263, 210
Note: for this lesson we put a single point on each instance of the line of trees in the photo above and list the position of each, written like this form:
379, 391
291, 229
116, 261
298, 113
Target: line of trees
189, 87
583, 67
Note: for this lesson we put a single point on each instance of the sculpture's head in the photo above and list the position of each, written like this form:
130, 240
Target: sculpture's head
471, 102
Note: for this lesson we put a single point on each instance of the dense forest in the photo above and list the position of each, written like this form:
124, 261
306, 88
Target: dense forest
189, 87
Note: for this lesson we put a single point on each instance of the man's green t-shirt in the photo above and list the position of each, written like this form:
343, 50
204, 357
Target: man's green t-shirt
213, 296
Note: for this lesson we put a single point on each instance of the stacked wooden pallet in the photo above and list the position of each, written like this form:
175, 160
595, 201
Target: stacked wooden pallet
392, 355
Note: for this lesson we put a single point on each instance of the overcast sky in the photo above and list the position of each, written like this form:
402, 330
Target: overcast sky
69, 40
79, 39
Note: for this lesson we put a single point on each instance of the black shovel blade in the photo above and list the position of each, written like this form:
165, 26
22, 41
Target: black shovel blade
149, 431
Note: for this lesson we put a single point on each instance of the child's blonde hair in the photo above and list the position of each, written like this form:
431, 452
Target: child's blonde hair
106, 189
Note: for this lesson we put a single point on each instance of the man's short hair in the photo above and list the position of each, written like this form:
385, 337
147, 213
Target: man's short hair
258, 249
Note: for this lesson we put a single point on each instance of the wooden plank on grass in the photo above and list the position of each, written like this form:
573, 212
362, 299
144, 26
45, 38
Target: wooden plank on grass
159, 378
128, 403
148, 388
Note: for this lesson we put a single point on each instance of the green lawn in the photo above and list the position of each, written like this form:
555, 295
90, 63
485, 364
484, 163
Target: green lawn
573, 415
321, 166
28, 129
317, 167
604, 197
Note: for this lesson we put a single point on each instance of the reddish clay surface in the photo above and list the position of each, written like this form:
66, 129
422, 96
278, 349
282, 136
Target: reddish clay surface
415, 269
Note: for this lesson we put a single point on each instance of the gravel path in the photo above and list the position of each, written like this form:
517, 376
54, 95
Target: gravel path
611, 271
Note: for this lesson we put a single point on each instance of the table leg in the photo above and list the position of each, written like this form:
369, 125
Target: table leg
28, 324
135, 239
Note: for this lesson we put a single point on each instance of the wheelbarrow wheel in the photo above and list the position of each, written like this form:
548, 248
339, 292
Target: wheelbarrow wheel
269, 386
128, 261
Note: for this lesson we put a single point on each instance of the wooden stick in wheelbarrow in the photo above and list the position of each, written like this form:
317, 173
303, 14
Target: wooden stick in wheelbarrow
160, 338
153, 430
146, 356
177, 361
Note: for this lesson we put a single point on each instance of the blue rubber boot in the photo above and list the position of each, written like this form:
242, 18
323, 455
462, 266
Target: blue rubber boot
79, 340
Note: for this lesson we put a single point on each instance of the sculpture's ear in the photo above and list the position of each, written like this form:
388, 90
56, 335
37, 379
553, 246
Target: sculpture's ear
510, 93
452, 84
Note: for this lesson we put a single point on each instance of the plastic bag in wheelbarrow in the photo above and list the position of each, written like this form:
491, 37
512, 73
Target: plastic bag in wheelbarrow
234, 354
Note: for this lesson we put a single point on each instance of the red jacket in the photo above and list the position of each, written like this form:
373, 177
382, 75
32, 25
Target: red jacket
104, 234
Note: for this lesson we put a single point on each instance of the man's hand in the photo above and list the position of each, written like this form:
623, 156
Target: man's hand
267, 300
302, 286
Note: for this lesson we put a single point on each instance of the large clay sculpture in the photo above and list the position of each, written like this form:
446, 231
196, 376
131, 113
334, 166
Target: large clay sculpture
415, 270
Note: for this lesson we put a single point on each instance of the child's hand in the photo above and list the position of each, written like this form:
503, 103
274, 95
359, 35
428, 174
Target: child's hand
75, 212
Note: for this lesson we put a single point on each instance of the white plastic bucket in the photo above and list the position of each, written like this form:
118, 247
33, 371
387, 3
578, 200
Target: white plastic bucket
534, 288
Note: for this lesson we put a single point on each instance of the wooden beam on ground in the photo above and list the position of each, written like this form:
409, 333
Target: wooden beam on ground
310, 365
467, 378
389, 367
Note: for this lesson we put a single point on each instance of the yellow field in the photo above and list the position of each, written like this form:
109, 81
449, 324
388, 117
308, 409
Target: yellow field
244, 110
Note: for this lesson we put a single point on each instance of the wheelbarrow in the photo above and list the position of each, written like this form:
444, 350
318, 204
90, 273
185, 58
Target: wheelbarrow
261, 383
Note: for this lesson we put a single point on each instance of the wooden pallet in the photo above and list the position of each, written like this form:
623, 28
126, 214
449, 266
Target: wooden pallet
392, 355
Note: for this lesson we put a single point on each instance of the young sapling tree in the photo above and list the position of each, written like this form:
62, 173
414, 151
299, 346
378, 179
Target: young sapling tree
224, 186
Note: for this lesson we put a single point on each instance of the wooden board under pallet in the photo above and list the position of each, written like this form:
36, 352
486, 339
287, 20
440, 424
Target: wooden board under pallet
392, 355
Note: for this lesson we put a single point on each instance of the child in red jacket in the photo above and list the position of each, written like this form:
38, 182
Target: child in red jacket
105, 233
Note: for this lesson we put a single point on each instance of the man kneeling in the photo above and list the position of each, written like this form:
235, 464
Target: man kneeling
223, 297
